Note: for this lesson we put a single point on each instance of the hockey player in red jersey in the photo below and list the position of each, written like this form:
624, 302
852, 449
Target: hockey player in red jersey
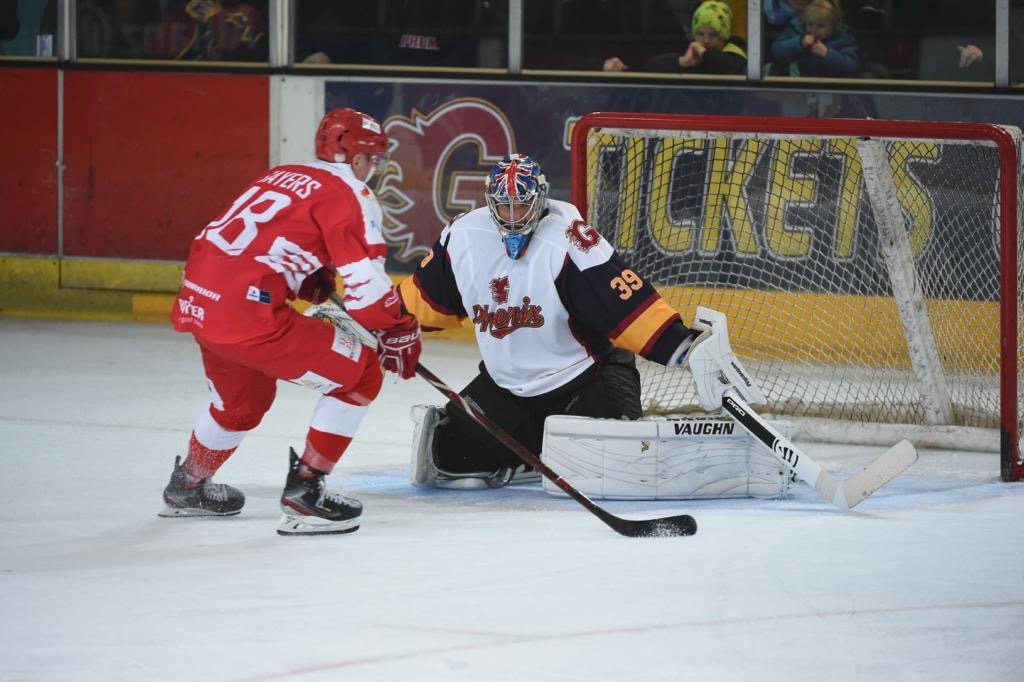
283, 238
558, 316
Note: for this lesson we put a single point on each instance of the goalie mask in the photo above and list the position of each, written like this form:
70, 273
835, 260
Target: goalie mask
517, 196
344, 133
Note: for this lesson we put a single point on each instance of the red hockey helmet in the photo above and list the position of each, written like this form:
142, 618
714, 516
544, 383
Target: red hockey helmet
347, 132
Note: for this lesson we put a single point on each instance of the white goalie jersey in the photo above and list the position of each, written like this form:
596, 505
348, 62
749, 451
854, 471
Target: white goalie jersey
544, 318
540, 320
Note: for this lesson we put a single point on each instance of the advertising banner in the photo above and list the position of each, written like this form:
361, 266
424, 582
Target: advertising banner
446, 134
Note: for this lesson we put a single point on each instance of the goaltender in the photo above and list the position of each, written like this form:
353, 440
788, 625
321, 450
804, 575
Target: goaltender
558, 316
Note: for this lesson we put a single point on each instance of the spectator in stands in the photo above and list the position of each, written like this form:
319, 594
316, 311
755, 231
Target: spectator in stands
778, 14
975, 60
28, 29
437, 33
969, 55
728, 52
714, 50
337, 33
413, 33
209, 30
782, 12
9, 23
970, 62
119, 29
684, 9
817, 44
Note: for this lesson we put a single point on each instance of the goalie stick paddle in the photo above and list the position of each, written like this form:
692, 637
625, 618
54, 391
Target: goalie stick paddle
669, 526
844, 493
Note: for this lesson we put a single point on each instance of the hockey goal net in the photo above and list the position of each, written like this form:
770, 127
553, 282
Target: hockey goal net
869, 269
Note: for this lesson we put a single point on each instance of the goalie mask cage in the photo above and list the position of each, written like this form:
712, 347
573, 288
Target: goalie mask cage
868, 268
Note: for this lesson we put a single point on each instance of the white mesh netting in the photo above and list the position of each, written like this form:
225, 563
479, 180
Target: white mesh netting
838, 314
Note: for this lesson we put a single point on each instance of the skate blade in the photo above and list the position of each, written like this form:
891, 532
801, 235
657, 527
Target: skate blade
467, 483
526, 478
475, 483
314, 525
190, 512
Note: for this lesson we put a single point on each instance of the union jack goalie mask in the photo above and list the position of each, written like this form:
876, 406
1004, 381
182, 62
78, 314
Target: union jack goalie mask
517, 196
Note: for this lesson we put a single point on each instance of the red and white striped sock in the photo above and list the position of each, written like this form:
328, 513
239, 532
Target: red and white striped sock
209, 447
323, 450
332, 428
203, 462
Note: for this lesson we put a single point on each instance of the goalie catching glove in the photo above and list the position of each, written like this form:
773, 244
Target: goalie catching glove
399, 347
713, 364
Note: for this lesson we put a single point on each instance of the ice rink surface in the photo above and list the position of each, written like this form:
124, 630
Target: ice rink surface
923, 581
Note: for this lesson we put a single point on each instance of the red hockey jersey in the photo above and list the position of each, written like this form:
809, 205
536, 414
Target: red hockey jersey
246, 266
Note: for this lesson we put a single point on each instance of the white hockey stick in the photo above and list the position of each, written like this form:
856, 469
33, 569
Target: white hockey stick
844, 493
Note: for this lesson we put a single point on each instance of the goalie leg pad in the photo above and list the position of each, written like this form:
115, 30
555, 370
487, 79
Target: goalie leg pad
423, 473
661, 459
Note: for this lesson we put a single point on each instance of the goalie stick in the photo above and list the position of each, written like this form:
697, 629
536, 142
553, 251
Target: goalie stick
844, 493
668, 526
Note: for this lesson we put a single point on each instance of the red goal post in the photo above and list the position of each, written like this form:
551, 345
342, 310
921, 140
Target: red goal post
869, 268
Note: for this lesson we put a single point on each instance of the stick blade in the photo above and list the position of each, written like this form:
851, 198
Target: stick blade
891, 464
668, 527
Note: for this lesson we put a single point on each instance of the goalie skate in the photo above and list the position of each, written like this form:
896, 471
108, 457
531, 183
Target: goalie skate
310, 508
426, 473
206, 499
487, 479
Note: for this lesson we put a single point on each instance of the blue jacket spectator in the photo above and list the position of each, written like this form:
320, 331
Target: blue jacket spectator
818, 44
8, 21
782, 12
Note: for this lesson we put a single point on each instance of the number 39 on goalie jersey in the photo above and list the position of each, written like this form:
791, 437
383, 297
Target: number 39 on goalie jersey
540, 320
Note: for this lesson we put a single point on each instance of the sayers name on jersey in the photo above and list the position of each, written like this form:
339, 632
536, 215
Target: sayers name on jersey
245, 267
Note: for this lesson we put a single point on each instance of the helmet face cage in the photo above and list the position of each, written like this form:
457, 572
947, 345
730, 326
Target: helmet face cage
343, 133
516, 181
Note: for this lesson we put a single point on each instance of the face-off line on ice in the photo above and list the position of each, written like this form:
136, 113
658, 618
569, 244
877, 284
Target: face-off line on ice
559, 317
